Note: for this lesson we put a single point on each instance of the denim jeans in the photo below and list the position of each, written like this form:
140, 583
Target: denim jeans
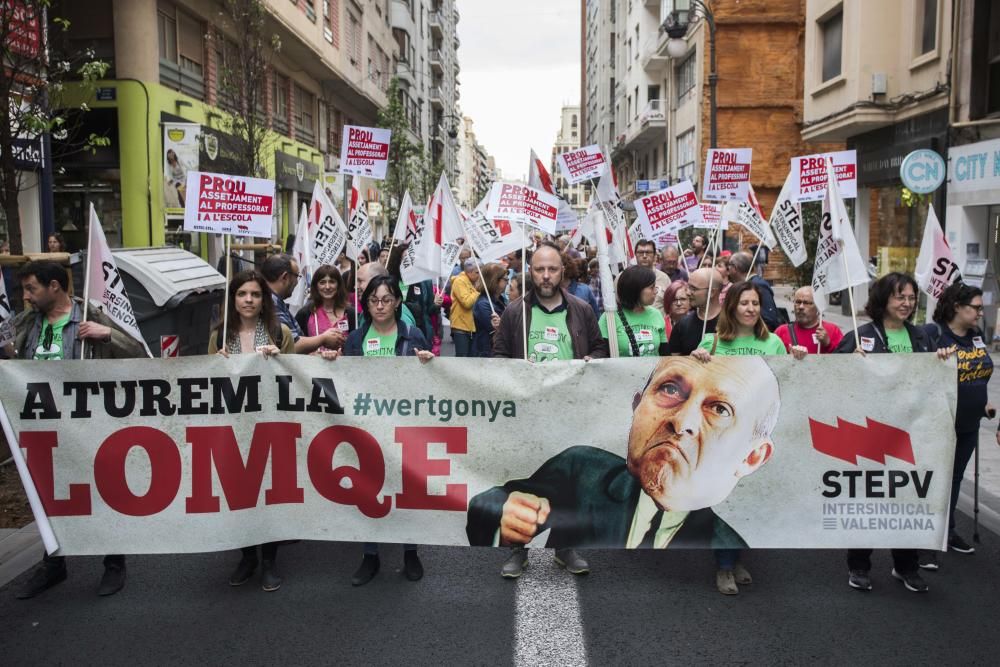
726, 559
463, 343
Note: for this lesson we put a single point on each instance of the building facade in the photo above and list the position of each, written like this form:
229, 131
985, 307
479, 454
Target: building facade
568, 139
165, 83
475, 173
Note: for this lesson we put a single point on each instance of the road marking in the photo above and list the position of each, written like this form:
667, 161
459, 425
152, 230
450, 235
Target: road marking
549, 629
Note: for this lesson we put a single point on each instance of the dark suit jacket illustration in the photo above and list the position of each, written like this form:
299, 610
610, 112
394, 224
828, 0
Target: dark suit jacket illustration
593, 498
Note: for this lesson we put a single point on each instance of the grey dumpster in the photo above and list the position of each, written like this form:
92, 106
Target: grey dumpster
176, 297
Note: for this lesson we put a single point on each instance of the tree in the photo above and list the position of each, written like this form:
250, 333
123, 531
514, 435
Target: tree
35, 95
406, 158
242, 77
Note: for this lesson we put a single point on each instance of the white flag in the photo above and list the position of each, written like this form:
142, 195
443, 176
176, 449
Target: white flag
936, 268
302, 252
839, 264
406, 221
491, 239
442, 224
359, 232
326, 228
786, 223
6, 315
103, 285
748, 214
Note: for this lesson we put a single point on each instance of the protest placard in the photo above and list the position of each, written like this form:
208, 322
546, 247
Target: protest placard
582, 164
223, 204
809, 175
520, 203
727, 174
667, 212
365, 151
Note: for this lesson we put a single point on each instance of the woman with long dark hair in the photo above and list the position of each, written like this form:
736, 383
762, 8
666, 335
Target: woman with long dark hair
386, 335
253, 327
487, 319
740, 332
327, 307
640, 328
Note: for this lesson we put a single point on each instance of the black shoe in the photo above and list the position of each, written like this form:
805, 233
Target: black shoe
911, 580
243, 571
956, 543
412, 567
859, 580
270, 580
41, 580
112, 581
927, 560
367, 571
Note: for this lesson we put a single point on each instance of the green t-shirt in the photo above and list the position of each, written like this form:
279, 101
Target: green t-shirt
377, 345
549, 338
898, 340
744, 345
53, 333
648, 328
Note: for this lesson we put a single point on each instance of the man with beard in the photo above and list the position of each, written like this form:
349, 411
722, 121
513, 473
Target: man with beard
697, 429
560, 327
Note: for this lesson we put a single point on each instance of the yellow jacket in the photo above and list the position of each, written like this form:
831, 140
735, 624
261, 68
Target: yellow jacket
463, 298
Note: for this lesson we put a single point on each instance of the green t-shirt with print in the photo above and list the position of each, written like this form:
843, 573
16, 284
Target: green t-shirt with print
548, 337
377, 345
744, 346
899, 340
647, 327
52, 333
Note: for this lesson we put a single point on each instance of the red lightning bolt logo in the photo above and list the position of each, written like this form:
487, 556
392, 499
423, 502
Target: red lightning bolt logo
848, 442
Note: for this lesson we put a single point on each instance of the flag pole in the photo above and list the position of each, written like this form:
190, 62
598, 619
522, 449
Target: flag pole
708, 296
607, 289
227, 248
483, 278
86, 280
850, 289
754, 260
524, 293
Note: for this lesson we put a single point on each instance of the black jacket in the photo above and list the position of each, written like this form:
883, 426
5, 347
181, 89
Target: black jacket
875, 331
593, 498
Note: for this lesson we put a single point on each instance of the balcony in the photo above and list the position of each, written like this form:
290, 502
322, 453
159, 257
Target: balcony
405, 74
436, 96
436, 24
650, 127
654, 54
437, 62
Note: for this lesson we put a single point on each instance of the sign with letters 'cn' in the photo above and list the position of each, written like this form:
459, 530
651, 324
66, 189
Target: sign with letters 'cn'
223, 204
365, 151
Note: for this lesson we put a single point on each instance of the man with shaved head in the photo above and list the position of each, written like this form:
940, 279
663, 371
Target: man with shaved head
704, 286
807, 330
697, 429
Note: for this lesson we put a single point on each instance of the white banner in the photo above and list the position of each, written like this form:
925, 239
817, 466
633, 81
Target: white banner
727, 174
711, 216
205, 453
103, 285
365, 151
520, 203
936, 268
746, 214
786, 223
359, 232
839, 264
222, 204
668, 211
809, 175
582, 164
326, 228
491, 239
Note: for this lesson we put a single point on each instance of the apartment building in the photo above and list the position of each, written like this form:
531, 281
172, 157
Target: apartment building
427, 42
568, 139
333, 69
475, 173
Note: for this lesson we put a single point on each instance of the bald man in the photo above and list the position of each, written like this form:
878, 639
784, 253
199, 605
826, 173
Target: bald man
807, 330
705, 309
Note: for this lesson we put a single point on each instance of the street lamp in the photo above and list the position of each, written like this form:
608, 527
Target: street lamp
676, 26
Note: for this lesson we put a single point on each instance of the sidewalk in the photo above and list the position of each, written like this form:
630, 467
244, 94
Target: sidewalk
989, 452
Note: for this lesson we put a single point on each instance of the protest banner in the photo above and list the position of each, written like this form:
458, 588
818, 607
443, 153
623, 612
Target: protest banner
491, 239
839, 264
668, 211
809, 175
582, 164
711, 216
180, 155
204, 453
103, 285
236, 205
786, 224
359, 232
365, 151
302, 252
936, 268
727, 174
745, 214
527, 205
326, 228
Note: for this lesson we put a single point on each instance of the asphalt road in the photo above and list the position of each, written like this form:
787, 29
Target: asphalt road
635, 608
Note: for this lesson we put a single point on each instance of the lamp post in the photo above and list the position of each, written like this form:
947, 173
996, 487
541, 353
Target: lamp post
676, 26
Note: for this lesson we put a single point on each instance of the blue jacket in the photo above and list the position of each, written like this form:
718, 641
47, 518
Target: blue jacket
581, 291
482, 339
409, 339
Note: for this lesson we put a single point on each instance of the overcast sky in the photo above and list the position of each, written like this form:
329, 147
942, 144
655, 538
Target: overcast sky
520, 63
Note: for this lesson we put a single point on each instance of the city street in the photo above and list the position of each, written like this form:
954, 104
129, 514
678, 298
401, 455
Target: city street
634, 608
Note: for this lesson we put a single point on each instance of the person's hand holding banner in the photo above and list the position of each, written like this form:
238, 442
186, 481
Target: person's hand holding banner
523, 514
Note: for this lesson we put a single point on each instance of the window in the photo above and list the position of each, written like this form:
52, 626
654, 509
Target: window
181, 46
305, 103
330, 9
573, 121
226, 55
166, 27
685, 76
927, 26
831, 35
279, 93
984, 96
685, 155
354, 39
191, 38
636, 40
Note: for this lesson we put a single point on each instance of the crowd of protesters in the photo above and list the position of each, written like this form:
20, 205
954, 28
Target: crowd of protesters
694, 303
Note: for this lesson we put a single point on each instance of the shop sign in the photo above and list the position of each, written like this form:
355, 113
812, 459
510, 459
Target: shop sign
922, 171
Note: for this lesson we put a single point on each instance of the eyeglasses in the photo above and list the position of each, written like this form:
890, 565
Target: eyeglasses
384, 301
904, 299
978, 308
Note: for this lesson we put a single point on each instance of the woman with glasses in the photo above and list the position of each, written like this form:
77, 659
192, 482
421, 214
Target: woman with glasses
639, 327
253, 328
327, 308
892, 300
956, 320
676, 304
384, 334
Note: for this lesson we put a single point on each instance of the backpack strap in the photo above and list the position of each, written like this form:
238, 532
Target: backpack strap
628, 332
